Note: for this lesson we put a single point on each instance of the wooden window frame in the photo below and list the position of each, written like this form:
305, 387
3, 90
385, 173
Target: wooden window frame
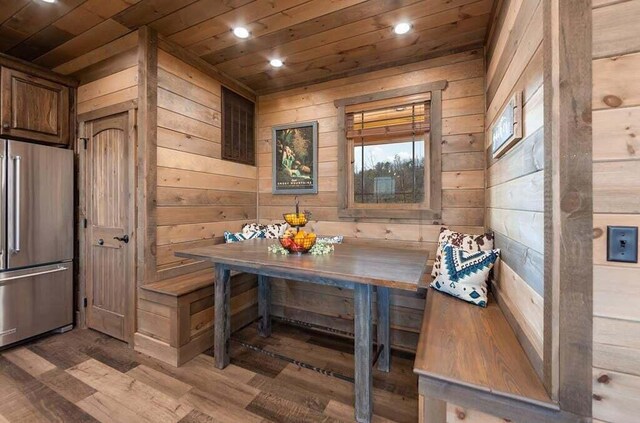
431, 208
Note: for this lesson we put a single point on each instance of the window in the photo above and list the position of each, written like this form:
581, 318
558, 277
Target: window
390, 153
238, 137
388, 160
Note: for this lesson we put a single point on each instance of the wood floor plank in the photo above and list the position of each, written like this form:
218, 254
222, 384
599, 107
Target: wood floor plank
58, 353
197, 417
28, 361
138, 397
160, 381
14, 406
235, 373
308, 399
66, 385
258, 363
346, 412
45, 404
107, 410
223, 411
279, 409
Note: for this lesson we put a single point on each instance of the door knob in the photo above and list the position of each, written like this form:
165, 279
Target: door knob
123, 238
101, 241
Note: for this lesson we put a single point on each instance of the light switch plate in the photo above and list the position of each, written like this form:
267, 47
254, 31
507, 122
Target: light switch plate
622, 244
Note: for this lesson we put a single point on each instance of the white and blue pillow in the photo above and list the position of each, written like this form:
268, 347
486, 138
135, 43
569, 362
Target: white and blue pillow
230, 237
464, 274
273, 231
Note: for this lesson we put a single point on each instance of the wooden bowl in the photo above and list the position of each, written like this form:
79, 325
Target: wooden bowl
294, 219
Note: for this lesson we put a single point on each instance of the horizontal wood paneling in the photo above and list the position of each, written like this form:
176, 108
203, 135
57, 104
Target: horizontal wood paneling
515, 182
616, 201
113, 88
198, 198
199, 195
463, 165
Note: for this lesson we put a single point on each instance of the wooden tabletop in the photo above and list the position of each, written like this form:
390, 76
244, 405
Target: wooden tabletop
390, 267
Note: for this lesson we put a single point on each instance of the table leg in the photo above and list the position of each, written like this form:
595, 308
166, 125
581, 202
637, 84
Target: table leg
363, 346
384, 339
222, 322
264, 305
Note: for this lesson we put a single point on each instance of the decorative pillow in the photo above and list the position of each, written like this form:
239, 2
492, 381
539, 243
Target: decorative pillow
272, 231
467, 242
464, 274
230, 237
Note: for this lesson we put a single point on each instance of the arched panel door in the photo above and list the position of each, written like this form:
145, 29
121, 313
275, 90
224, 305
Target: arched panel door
109, 201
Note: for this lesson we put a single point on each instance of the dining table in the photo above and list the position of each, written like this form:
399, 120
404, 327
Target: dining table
355, 266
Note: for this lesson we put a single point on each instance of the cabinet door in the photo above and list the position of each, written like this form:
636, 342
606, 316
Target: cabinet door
34, 108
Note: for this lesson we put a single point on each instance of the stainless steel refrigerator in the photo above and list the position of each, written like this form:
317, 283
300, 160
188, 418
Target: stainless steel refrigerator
36, 240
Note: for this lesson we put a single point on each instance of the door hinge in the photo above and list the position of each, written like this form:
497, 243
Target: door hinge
85, 223
84, 302
85, 141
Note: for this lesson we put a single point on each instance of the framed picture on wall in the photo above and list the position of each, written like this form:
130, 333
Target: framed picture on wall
507, 129
295, 158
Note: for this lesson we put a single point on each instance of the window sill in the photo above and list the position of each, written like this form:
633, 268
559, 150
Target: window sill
388, 213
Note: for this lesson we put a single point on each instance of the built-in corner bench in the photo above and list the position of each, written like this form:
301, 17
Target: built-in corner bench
175, 316
470, 356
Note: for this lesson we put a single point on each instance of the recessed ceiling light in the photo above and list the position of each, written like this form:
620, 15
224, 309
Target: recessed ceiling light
48, 1
402, 28
241, 32
276, 63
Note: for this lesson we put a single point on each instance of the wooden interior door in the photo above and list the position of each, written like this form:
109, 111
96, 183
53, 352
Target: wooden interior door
109, 235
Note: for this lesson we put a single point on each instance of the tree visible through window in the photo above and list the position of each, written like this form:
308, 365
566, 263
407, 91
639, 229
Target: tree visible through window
388, 154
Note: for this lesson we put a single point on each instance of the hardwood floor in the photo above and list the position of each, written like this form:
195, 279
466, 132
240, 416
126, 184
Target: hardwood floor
84, 376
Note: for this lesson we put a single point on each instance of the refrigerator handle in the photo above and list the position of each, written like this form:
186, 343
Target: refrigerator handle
16, 193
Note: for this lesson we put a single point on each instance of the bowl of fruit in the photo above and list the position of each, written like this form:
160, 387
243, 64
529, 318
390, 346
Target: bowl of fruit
296, 219
298, 242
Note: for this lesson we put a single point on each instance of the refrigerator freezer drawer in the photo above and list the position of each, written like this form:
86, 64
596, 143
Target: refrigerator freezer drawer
34, 301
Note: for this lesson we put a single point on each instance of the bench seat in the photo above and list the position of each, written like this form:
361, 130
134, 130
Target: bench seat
175, 316
470, 356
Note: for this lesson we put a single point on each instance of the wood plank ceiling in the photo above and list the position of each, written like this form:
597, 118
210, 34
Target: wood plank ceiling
317, 39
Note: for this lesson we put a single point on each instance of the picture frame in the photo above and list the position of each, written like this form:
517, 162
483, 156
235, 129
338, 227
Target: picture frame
507, 128
295, 158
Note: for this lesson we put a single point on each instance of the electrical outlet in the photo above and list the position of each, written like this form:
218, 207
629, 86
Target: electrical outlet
622, 244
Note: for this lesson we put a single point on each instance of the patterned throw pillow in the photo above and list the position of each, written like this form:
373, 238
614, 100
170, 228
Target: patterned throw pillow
467, 242
465, 274
230, 237
272, 231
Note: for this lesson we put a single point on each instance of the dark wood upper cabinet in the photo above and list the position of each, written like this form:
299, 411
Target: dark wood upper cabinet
34, 108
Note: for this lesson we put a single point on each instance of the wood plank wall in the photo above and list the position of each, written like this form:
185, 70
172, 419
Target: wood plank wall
199, 196
108, 76
616, 201
463, 180
514, 183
